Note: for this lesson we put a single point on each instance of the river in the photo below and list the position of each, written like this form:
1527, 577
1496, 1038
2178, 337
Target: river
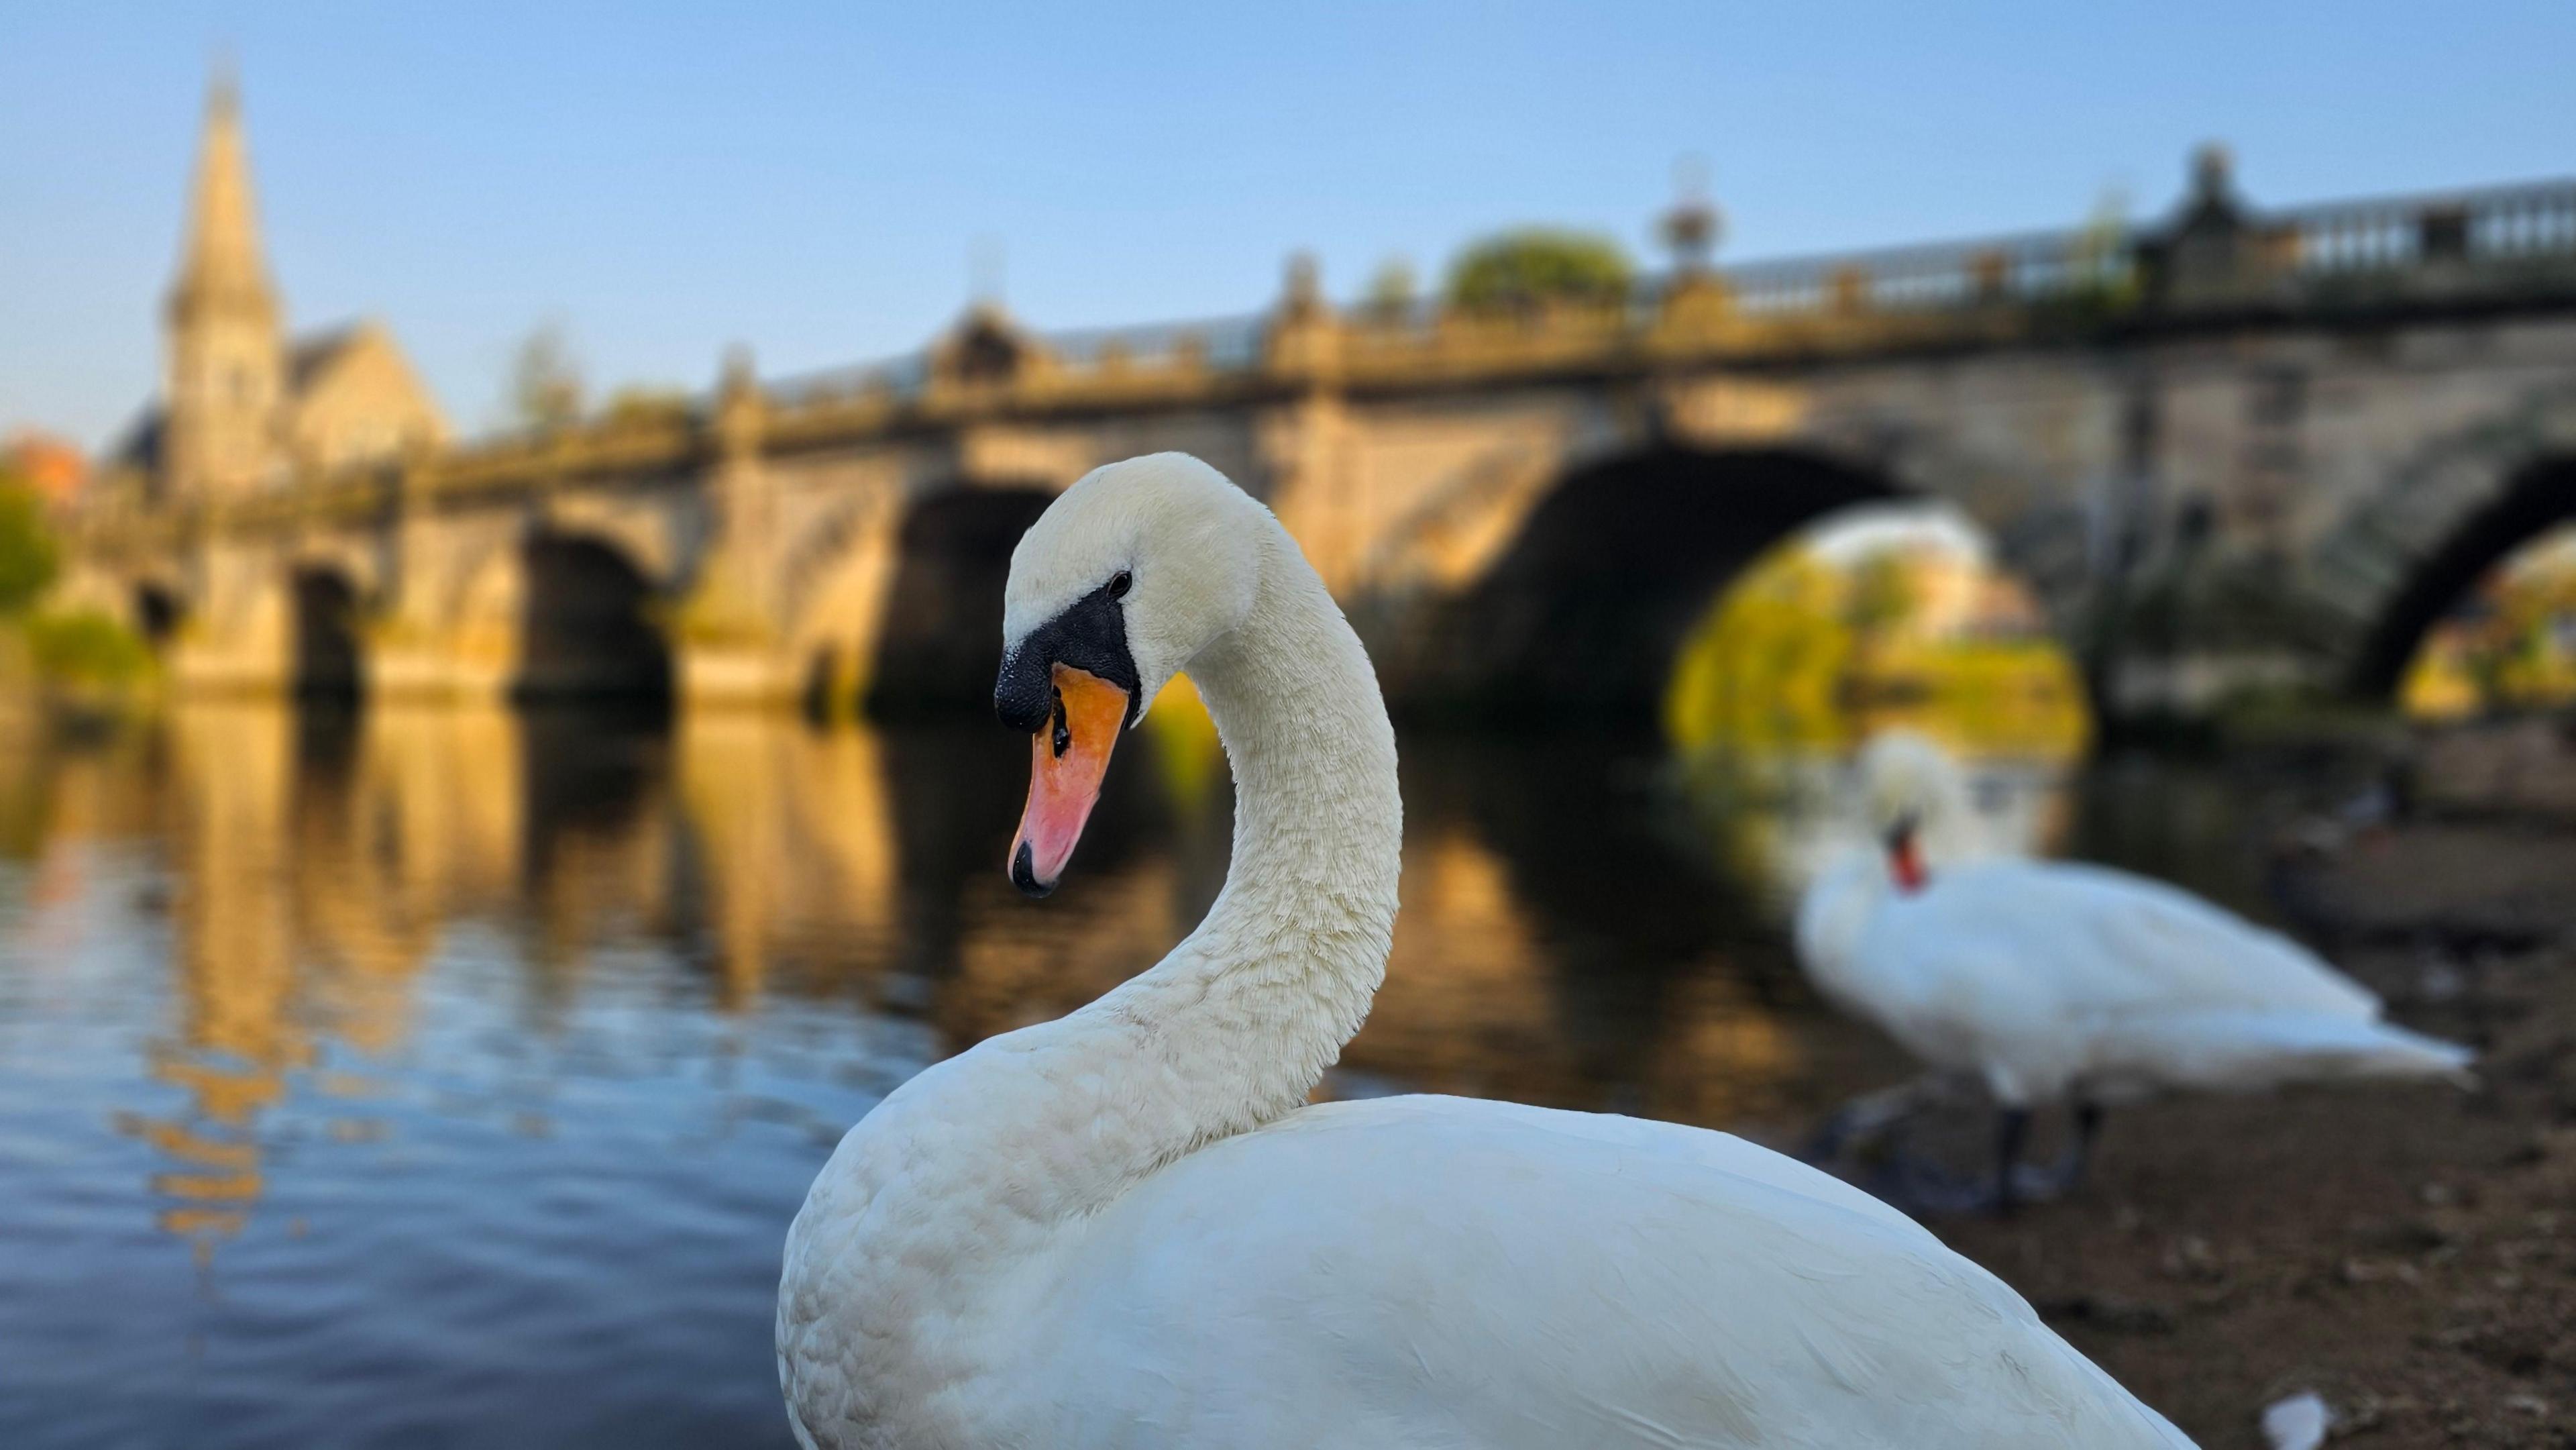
450, 1076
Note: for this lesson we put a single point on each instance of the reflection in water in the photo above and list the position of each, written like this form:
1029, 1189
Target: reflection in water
397, 1076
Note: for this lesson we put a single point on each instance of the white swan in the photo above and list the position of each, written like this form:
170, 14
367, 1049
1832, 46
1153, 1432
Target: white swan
1127, 1228
2053, 982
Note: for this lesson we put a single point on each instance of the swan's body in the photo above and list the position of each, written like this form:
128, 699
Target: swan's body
1126, 1228
2053, 982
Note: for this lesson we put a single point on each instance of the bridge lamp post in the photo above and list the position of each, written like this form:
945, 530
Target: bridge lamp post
1692, 227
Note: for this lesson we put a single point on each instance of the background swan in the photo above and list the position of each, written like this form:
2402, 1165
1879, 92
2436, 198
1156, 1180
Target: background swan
2055, 982
1126, 1228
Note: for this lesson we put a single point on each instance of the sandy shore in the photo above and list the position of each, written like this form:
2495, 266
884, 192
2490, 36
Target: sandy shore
2409, 1253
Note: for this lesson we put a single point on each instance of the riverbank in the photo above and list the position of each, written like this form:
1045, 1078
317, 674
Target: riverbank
2409, 1253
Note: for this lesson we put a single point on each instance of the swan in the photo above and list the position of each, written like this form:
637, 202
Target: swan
2057, 982
1128, 1228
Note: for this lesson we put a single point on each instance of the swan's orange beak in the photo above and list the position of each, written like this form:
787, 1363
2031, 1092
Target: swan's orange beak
1067, 758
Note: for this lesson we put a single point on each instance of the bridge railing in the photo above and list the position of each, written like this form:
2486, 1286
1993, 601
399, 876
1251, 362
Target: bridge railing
2216, 252
2450, 237
2111, 265
1995, 271
898, 377
1224, 343
2497, 225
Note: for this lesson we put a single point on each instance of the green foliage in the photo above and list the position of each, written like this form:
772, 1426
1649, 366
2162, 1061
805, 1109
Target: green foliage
2103, 275
1187, 754
638, 403
545, 381
2512, 646
1391, 290
77, 650
713, 616
1536, 265
86, 648
1878, 595
1800, 656
1762, 671
29, 558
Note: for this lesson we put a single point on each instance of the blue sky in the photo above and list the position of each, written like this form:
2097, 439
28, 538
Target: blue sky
814, 180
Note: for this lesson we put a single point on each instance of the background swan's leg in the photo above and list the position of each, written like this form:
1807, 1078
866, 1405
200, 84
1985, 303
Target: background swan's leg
2012, 1130
1871, 1117
2079, 1148
2034, 1184
1874, 1129
1894, 1171
1924, 1188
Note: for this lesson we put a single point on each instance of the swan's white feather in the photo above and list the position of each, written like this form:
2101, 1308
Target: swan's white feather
1444, 1271
1125, 1228
2052, 978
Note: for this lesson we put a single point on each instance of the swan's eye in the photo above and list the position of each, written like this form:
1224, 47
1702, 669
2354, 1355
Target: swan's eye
1120, 583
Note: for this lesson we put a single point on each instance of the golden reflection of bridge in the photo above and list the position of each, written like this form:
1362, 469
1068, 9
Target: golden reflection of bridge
337, 887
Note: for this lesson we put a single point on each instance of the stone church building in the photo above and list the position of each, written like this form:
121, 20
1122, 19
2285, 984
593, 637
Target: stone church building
244, 405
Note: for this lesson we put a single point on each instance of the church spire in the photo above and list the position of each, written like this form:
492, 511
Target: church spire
220, 268
227, 356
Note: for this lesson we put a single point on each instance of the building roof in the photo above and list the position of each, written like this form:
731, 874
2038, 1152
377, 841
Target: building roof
51, 465
139, 445
310, 356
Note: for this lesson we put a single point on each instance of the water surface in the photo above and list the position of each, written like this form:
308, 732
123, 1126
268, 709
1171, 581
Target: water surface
450, 1077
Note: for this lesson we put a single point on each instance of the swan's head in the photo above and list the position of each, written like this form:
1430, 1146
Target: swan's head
1912, 789
1117, 586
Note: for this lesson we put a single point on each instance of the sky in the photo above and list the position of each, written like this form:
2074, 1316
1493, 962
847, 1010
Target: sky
825, 183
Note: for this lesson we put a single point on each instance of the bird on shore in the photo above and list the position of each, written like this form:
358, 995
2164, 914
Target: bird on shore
1128, 1227
2063, 983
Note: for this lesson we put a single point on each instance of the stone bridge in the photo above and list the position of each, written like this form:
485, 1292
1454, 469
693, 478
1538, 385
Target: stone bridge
2234, 447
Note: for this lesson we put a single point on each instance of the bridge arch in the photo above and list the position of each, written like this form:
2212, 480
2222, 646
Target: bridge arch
644, 529
328, 663
2379, 580
588, 624
1582, 612
940, 635
159, 610
2536, 498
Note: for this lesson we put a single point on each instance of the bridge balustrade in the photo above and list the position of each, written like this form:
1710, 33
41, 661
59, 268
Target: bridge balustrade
2504, 243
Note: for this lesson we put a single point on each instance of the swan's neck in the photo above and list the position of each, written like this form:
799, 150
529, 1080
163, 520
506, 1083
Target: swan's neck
919, 1257
1836, 911
1236, 1025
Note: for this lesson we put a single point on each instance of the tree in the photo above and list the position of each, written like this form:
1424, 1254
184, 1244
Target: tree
2102, 273
1759, 671
1878, 596
545, 381
643, 402
1391, 290
1536, 265
29, 558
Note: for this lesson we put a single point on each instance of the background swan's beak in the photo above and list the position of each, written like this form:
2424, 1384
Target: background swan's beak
1067, 757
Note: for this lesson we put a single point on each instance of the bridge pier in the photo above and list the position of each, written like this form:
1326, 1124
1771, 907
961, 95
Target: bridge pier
445, 632
727, 645
241, 637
